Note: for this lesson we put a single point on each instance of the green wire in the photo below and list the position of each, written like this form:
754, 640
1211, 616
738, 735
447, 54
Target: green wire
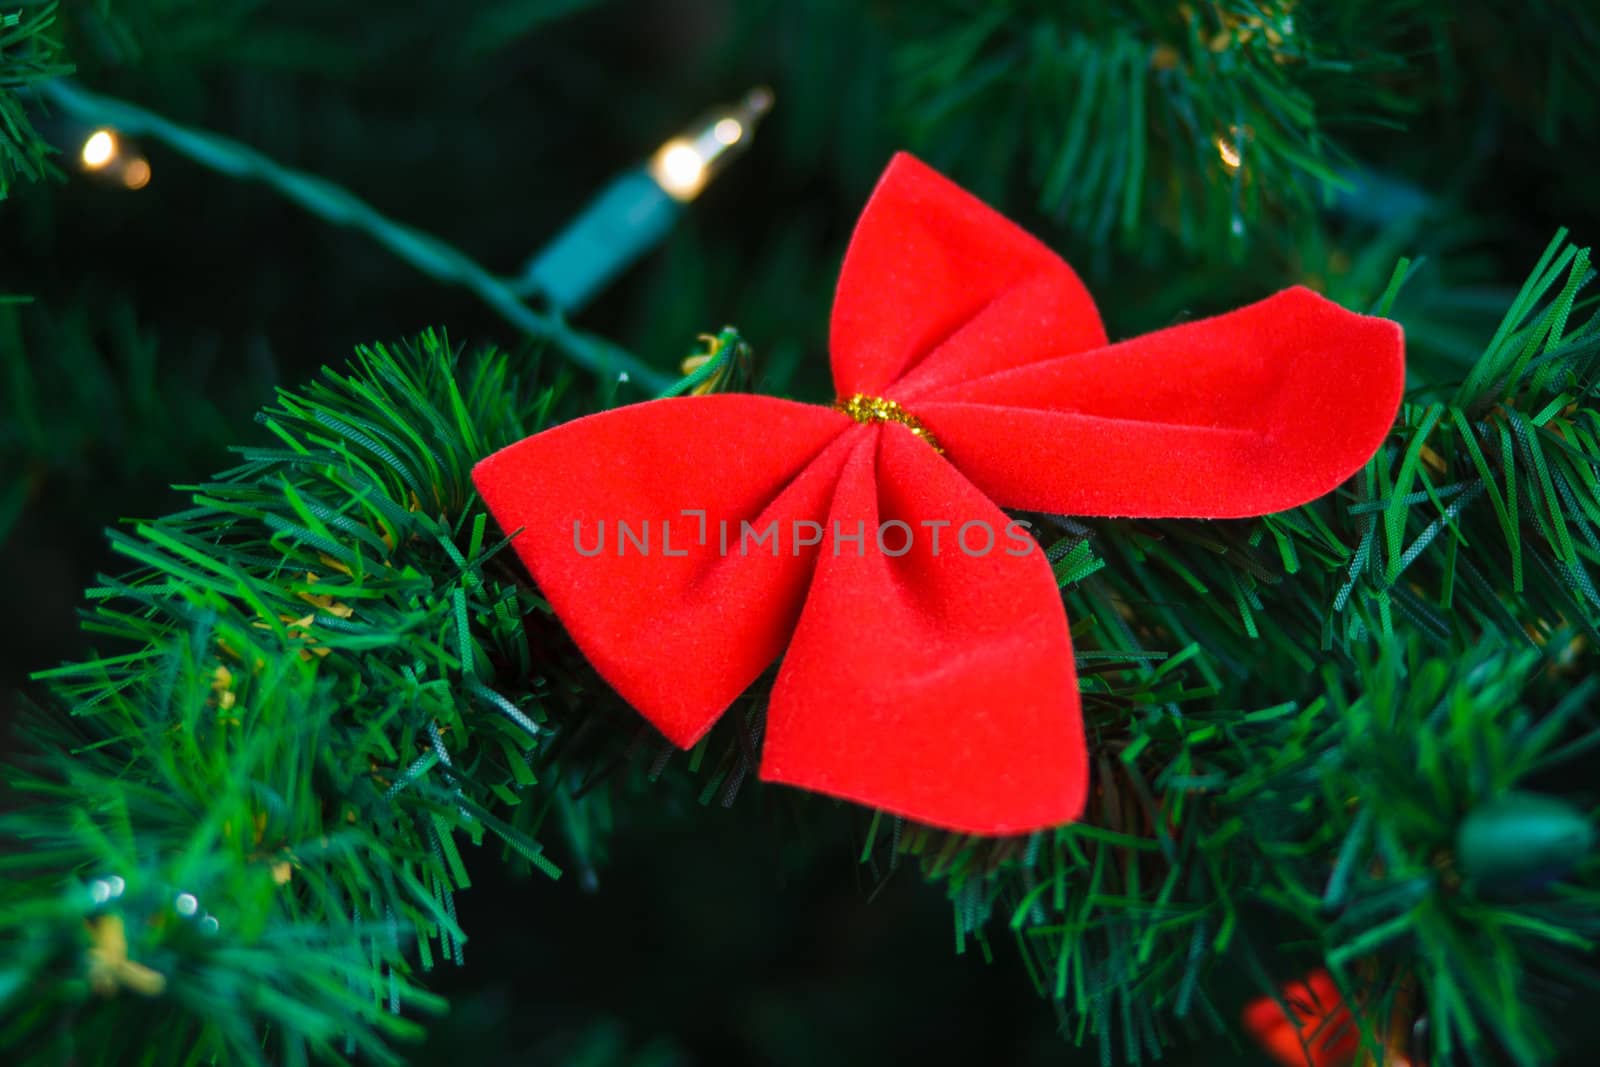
322, 198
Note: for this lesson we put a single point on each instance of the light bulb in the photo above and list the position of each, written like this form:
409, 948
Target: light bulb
679, 169
136, 175
99, 150
684, 165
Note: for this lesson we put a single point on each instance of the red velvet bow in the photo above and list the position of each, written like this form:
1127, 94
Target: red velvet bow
936, 683
1320, 1033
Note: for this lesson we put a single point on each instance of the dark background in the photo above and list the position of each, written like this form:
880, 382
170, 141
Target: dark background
162, 318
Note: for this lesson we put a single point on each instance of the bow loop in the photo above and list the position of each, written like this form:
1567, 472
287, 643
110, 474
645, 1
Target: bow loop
938, 286
649, 536
1247, 413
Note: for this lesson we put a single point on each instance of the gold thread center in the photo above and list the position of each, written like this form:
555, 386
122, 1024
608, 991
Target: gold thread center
865, 409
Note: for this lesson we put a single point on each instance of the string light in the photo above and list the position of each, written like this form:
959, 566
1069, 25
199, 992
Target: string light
685, 164
102, 151
635, 211
99, 149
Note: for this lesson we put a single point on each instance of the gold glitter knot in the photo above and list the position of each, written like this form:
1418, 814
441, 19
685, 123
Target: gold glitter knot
865, 409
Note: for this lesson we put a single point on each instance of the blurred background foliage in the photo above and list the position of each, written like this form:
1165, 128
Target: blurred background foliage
1185, 157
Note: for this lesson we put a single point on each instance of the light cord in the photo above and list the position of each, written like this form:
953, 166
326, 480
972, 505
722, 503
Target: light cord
332, 203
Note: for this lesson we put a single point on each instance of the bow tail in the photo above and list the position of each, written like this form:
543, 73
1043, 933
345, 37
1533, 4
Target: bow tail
937, 684
665, 551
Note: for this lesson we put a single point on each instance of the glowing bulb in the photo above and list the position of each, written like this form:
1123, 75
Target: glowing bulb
1229, 153
685, 165
136, 175
679, 169
99, 149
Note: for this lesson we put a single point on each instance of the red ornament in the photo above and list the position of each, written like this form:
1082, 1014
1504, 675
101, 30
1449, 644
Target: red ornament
973, 372
1322, 1032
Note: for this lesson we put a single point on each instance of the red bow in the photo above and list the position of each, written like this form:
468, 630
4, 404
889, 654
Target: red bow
973, 371
1321, 1032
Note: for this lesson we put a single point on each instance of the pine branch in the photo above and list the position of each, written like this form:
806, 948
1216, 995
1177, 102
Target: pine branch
29, 55
1218, 125
1414, 647
303, 719
1203, 116
325, 675
88, 400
